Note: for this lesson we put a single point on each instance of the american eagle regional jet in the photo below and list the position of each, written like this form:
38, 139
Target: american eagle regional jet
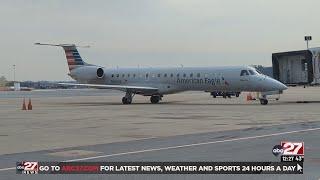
157, 82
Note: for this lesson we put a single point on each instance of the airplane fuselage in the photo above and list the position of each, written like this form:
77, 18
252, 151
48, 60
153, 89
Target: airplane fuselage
173, 80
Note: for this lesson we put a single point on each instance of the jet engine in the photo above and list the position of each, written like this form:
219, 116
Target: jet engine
87, 73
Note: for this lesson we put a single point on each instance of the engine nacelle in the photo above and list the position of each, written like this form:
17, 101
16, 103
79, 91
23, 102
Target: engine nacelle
87, 73
100, 72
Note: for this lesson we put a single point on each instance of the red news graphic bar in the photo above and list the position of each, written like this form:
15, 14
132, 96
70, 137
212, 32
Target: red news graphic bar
80, 168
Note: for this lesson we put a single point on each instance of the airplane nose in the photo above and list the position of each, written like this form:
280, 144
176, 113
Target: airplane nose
275, 85
281, 86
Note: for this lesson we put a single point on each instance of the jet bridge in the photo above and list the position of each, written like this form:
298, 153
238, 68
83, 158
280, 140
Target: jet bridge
297, 67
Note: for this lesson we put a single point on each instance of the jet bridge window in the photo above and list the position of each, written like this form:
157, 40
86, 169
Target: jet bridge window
244, 73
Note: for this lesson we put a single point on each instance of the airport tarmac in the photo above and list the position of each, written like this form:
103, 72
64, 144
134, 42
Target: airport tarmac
191, 126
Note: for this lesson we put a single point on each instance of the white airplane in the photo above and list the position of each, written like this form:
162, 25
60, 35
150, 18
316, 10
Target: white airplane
156, 82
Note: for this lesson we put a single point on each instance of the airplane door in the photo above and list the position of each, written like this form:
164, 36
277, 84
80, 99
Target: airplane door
244, 78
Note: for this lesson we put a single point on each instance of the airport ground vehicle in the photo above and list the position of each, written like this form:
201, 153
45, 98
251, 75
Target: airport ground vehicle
229, 94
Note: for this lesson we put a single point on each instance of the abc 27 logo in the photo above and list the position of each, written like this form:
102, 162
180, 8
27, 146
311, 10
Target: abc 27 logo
289, 148
27, 167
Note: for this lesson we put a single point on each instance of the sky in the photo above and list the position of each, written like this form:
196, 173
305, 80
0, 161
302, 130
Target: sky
150, 33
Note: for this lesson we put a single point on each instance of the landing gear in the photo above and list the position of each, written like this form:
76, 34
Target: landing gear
155, 99
263, 101
127, 99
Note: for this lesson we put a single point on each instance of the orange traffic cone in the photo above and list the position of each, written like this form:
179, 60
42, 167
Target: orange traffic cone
24, 104
29, 104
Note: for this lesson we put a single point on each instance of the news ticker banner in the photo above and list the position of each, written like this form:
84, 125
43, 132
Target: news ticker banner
28, 167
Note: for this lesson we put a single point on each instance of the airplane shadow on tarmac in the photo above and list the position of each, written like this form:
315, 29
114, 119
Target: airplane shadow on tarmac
183, 103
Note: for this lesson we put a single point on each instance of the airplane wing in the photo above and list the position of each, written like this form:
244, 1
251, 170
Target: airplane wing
117, 87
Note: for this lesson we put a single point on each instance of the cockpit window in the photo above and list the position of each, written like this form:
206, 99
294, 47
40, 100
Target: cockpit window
244, 73
252, 72
258, 71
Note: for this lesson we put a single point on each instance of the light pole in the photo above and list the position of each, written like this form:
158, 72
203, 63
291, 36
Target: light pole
14, 73
307, 39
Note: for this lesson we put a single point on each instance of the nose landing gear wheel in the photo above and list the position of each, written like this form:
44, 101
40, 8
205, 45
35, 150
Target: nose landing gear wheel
154, 99
126, 100
263, 101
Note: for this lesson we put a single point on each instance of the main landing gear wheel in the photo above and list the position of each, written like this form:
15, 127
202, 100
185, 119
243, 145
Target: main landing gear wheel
263, 101
127, 99
155, 99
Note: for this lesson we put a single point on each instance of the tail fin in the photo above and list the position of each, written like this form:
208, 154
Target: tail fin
74, 59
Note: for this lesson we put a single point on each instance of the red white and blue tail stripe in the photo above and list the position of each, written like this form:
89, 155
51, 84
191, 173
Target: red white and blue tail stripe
74, 59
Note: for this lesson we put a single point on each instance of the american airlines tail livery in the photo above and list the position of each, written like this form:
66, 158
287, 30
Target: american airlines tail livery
157, 82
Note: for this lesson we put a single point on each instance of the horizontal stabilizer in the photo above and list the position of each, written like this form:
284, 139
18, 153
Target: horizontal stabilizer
73, 57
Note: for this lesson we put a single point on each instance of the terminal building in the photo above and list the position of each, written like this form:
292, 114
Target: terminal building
297, 67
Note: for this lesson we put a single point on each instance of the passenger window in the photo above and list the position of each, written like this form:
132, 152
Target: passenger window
184, 75
117, 75
244, 73
159, 75
198, 75
128, 75
123, 75
134, 75
178, 75
191, 75
112, 75
171, 75
147, 75
165, 75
